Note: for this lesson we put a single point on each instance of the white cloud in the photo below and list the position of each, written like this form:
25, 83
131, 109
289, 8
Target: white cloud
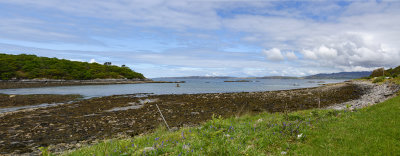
363, 39
353, 51
92, 61
308, 54
273, 54
291, 56
325, 52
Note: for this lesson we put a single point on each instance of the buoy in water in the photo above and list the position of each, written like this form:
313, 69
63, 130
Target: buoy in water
177, 85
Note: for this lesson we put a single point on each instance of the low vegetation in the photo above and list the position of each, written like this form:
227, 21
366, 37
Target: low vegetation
378, 79
30, 67
381, 75
369, 131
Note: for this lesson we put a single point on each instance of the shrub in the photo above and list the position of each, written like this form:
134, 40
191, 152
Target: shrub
379, 79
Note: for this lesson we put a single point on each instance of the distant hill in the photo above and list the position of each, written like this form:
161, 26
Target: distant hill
31, 66
200, 77
341, 75
279, 77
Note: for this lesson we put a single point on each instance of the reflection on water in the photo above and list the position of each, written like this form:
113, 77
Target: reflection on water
192, 86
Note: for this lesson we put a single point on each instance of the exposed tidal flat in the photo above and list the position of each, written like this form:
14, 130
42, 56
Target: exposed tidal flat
8, 101
72, 125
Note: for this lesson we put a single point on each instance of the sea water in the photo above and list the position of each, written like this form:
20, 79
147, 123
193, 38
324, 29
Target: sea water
191, 86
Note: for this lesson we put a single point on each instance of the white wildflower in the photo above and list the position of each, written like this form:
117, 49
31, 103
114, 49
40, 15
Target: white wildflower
299, 136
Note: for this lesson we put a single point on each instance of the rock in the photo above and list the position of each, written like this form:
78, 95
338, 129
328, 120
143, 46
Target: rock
17, 144
195, 113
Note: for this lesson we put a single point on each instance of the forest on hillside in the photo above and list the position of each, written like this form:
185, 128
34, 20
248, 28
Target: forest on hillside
25, 66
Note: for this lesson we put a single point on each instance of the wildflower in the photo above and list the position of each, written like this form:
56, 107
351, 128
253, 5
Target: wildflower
133, 145
186, 147
299, 136
283, 153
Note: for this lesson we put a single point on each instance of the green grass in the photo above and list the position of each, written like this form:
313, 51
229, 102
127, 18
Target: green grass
379, 79
373, 130
370, 131
396, 80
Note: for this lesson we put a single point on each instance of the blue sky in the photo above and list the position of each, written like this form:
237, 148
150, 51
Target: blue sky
162, 38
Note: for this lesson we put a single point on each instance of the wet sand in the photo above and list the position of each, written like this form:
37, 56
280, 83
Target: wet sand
83, 122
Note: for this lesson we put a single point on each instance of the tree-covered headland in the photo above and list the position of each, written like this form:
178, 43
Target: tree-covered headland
25, 66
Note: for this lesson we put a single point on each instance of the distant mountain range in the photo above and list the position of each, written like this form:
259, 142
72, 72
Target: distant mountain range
201, 77
341, 75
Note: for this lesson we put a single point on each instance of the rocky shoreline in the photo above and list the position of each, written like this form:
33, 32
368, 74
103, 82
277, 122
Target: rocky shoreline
375, 93
36, 83
72, 125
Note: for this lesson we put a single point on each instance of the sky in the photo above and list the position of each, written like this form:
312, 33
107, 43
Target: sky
167, 38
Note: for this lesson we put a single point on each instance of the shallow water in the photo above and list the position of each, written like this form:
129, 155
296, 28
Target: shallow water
13, 109
192, 86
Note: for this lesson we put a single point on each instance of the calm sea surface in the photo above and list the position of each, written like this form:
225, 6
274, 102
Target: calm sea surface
192, 86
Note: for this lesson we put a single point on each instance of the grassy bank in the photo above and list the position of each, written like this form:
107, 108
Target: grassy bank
369, 131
